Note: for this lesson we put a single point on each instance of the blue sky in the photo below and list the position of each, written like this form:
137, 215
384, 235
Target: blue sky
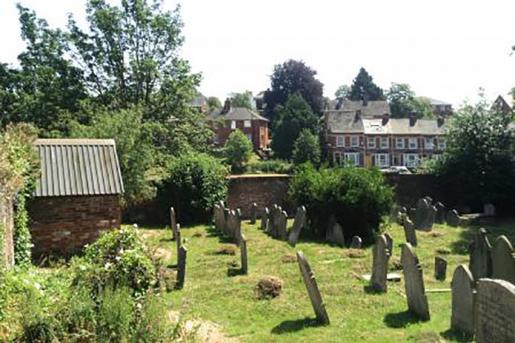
443, 49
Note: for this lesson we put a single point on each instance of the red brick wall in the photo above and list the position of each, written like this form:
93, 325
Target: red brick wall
63, 225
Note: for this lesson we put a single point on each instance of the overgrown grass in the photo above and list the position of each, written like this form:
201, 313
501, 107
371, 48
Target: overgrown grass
215, 292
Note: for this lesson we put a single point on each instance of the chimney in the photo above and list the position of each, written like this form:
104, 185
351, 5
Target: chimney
357, 115
227, 106
440, 120
365, 100
412, 119
385, 119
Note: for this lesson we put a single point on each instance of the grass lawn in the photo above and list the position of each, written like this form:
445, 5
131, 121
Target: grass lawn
214, 292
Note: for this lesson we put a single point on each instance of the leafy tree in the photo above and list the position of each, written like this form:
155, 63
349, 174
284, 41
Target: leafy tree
293, 117
403, 102
306, 148
364, 88
477, 167
342, 92
242, 100
213, 103
289, 78
238, 149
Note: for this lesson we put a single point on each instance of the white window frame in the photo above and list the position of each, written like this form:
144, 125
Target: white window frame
352, 143
386, 142
369, 141
233, 124
429, 143
337, 157
397, 140
382, 160
441, 144
410, 160
352, 157
413, 143
247, 123
340, 141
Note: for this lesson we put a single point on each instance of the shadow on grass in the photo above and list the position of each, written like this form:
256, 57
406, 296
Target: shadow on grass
400, 319
234, 272
212, 232
369, 289
456, 335
169, 239
295, 325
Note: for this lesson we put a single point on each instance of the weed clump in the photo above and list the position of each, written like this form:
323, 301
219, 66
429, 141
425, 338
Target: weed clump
269, 287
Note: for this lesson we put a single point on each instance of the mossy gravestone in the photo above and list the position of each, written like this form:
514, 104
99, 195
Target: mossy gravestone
298, 224
410, 233
253, 213
380, 257
503, 260
462, 285
244, 256
414, 283
173, 223
265, 219
480, 262
181, 266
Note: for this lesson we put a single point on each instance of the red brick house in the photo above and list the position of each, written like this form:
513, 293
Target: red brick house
229, 118
77, 195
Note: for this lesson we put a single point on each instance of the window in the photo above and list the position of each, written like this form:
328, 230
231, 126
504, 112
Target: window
352, 157
247, 123
441, 143
399, 143
413, 142
428, 143
337, 157
382, 160
233, 124
384, 143
354, 141
411, 160
340, 141
371, 142
249, 136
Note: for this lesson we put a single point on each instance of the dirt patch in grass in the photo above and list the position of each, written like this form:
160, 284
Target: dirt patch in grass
289, 258
443, 251
199, 331
354, 253
436, 234
395, 264
226, 249
269, 287
162, 253
197, 235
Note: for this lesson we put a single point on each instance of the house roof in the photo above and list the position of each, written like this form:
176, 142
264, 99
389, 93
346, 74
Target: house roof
374, 108
199, 101
72, 167
434, 102
236, 113
343, 122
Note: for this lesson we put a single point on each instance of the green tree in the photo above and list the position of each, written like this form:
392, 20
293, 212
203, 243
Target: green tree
213, 104
290, 78
403, 102
238, 150
364, 88
342, 92
244, 99
306, 148
293, 117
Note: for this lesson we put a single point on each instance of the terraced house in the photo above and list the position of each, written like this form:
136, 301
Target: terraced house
365, 134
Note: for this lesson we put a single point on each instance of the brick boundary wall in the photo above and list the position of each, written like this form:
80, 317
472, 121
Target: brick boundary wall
64, 225
7, 227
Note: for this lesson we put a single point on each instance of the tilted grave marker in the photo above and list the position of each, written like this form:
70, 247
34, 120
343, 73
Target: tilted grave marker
462, 285
414, 283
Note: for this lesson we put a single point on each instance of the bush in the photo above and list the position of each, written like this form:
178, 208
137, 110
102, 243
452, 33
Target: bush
270, 166
357, 197
306, 148
238, 149
195, 184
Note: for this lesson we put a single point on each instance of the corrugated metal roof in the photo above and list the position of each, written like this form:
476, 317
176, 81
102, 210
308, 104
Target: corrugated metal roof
78, 167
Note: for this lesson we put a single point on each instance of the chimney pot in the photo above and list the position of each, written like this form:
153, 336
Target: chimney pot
412, 119
227, 106
358, 115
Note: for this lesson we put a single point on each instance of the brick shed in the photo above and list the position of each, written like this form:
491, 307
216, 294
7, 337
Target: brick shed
77, 195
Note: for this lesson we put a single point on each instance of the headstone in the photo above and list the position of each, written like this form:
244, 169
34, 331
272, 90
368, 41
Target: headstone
276, 217
178, 240
282, 233
489, 209
230, 224
330, 229
298, 223
440, 268
265, 219
253, 213
380, 257
412, 213
227, 216
216, 216
422, 214
356, 242
237, 226
336, 235
181, 266
453, 218
414, 283
312, 288
440, 213
401, 215
480, 263
244, 256
173, 222
410, 233
429, 199
494, 319
503, 260
462, 285
389, 243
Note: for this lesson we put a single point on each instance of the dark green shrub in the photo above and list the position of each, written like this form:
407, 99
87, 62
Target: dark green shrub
306, 148
357, 197
115, 315
195, 184
270, 166
237, 150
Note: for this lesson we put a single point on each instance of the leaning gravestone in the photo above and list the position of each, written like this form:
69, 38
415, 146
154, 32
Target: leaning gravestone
178, 240
282, 233
253, 213
453, 218
462, 285
440, 213
181, 266
495, 311
173, 222
480, 263
414, 283
440, 268
503, 260
380, 257
389, 243
244, 256
298, 223
356, 242
312, 288
265, 219
410, 233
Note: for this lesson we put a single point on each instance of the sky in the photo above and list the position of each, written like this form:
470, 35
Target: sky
444, 49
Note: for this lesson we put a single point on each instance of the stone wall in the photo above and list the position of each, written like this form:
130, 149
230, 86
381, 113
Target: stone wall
6, 227
63, 225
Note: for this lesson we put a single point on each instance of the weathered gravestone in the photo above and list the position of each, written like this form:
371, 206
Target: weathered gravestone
414, 283
422, 214
480, 263
389, 243
440, 213
453, 218
335, 235
356, 242
265, 219
227, 216
330, 229
277, 213
282, 223
173, 222
462, 285
401, 215
503, 260
494, 319
181, 266
312, 288
237, 226
244, 256
380, 257
489, 210
178, 240
253, 213
298, 223
230, 223
410, 233
216, 217
440, 268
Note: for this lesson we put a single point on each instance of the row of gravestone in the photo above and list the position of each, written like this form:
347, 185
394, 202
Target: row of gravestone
181, 249
426, 214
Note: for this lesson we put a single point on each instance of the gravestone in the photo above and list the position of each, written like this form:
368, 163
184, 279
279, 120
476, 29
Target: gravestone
453, 218
181, 266
178, 240
237, 226
440, 213
229, 225
412, 213
494, 319
422, 214
429, 199
380, 257
414, 283
282, 233
503, 260
389, 243
462, 286
298, 223
265, 219
480, 263
440, 268
410, 233
276, 220
227, 216
336, 235
173, 222
401, 215
216, 217
312, 288
244, 256
489, 210
356, 242
253, 213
